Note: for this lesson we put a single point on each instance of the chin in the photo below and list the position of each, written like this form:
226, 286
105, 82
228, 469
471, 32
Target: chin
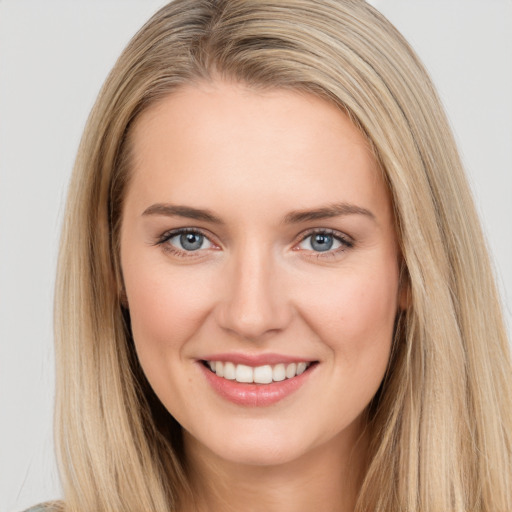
265, 456
261, 446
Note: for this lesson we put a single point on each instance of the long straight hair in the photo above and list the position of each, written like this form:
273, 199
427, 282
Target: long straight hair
441, 421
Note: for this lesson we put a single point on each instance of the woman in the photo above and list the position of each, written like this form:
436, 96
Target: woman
273, 289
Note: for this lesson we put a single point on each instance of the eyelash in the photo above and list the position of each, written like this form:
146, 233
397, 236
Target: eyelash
178, 232
345, 242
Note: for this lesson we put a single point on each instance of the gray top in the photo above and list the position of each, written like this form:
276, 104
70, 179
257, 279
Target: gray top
40, 508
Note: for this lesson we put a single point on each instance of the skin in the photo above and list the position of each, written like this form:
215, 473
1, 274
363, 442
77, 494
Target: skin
257, 285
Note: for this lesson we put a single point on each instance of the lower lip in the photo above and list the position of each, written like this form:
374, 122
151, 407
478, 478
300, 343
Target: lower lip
255, 395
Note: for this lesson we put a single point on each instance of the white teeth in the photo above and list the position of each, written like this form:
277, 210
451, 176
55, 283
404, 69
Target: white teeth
263, 374
244, 373
291, 370
260, 374
301, 368
229, 371
278, 373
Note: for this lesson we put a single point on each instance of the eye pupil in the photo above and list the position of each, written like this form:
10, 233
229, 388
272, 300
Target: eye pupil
321, 242
191, 241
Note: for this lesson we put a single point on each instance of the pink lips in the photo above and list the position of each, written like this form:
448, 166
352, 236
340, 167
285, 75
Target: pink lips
254, 395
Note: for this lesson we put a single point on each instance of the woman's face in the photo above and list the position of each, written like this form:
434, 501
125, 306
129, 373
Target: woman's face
257, 238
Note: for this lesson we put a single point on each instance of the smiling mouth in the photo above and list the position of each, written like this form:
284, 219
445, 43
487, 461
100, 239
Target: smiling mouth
265, 374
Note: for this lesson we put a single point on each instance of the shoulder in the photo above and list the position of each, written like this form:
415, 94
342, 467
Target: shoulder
45, 507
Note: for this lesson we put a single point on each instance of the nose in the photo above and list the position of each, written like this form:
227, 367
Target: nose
255, 303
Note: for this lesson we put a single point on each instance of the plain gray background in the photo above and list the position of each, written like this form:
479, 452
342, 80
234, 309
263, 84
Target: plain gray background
54, 55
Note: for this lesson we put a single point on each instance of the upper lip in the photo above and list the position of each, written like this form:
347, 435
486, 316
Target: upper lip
256, 359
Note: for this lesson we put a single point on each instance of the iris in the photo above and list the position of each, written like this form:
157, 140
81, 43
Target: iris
321, 242
191, 241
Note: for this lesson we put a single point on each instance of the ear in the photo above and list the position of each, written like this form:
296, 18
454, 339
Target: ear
118, 283
123, 298
121, 290
404, 288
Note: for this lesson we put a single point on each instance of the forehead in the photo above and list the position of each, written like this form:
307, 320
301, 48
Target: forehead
242, 145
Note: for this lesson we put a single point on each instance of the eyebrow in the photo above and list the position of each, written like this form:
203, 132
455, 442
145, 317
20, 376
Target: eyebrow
294, 217
325, 212
188, 212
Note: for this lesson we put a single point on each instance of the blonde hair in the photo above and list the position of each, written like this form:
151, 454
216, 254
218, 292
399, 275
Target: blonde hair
441, 422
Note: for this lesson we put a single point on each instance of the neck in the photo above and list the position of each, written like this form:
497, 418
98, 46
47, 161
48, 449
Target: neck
326, 478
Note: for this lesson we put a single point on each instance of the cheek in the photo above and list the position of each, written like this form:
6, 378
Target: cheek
166, 312
166, 307
354, 315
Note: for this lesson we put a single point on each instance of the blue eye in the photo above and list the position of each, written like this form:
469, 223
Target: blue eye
189, 241
323, 242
